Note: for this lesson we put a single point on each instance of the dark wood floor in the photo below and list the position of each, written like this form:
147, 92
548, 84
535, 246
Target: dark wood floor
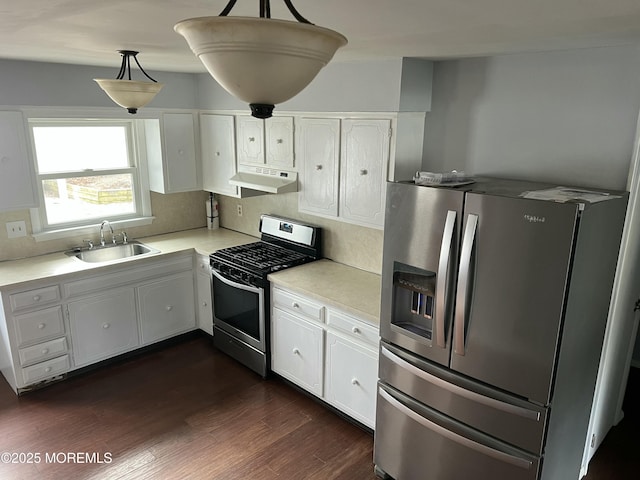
189, 412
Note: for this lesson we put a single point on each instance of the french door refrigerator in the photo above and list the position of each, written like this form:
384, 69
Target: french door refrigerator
494, 305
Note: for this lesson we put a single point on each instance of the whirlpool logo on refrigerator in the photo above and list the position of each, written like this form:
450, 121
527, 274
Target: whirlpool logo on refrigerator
534, 218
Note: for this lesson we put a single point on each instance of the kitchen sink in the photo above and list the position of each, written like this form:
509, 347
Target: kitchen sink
111, 252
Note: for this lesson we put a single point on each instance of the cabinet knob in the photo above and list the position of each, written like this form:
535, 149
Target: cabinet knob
296, 351
48, 369
36, 298
295, 305
204, 304
168, 308
45, 351
42, 325
252, 139
318, 167
354, 381
217, 154
106, 325
363, 171
279, 141
355, 330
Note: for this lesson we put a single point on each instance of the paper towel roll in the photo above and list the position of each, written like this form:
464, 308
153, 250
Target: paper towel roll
213, 218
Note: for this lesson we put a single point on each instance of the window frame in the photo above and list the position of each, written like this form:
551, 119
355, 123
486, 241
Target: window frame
136, 151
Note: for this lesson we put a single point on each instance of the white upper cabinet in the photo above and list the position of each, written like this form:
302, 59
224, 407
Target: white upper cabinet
364, 160
265, 142
343, 168
318, 152
218, 152
172, 155
17, 190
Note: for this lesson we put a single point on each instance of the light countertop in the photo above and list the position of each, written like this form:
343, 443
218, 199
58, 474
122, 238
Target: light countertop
350, 289
204, 241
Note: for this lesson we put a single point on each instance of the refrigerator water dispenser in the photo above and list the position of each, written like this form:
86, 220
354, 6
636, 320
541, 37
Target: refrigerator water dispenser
413, 299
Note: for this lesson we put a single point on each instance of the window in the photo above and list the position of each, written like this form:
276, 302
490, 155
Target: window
87, 171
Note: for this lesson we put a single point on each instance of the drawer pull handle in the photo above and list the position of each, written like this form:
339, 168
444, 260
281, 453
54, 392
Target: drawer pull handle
169, 308
354, 381
48, 369
106, 325
45, 351
36, 298
295, 305
41, 326
363, 171
355, 330
296, 351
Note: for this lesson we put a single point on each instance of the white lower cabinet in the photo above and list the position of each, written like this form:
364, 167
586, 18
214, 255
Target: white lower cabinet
336, 361
49, 328
166, 307
298, 353
103, 326
351, 378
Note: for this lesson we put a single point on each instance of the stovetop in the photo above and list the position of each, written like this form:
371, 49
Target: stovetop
260, 257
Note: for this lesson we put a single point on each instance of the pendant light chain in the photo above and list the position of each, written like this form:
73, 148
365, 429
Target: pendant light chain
265, 10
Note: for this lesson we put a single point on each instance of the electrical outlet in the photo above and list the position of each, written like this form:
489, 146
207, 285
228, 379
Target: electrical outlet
16, 229
239, 207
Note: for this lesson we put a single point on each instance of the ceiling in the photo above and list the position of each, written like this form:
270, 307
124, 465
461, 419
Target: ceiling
90, 32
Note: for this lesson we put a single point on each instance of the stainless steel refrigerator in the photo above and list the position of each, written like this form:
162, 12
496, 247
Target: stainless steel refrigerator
494, 303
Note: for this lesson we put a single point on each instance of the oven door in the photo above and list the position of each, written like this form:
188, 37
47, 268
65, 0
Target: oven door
238, 309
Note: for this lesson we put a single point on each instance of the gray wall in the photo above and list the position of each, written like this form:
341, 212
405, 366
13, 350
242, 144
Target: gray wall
567, 116
59, 85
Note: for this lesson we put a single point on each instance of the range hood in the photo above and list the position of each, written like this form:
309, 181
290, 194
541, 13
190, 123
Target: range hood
265, 179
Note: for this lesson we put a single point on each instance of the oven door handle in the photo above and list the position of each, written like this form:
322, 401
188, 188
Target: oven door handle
248, 288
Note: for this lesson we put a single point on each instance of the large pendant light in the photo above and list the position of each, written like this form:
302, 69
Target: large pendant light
128, 93
260, 61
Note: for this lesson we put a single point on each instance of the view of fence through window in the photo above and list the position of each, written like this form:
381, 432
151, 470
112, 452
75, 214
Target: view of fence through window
85, 172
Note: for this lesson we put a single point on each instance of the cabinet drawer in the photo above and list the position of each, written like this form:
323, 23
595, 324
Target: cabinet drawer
353, 327
39, 325
33, 298
42, 351
47, 369
299, 306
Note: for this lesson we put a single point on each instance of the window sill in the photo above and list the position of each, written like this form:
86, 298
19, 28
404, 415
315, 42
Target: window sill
90, 229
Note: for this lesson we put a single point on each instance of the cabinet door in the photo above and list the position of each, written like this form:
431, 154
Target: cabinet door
180, 153
167, 307
297, 351
103, 326
279, 142
203, 295
218, 153
16, 180
250, 139
318, 153
351, 377
363, 163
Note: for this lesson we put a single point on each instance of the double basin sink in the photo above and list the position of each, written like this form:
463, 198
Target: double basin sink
111, 252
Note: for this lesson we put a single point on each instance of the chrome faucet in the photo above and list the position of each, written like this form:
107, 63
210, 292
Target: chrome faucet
106, 222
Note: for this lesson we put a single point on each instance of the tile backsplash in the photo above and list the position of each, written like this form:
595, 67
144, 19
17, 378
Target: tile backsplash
172, 212
353, 245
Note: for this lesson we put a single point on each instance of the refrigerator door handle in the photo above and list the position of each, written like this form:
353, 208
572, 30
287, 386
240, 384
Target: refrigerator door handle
443, 270
460, 391
464, 278
478, 447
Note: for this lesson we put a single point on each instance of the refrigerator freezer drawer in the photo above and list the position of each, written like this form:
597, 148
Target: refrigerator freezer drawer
511, 419
414, 442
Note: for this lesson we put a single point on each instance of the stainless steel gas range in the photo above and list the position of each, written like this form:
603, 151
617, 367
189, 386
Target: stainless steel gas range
241, 289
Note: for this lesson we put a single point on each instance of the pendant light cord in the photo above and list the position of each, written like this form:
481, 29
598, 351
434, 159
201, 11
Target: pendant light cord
265, 10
